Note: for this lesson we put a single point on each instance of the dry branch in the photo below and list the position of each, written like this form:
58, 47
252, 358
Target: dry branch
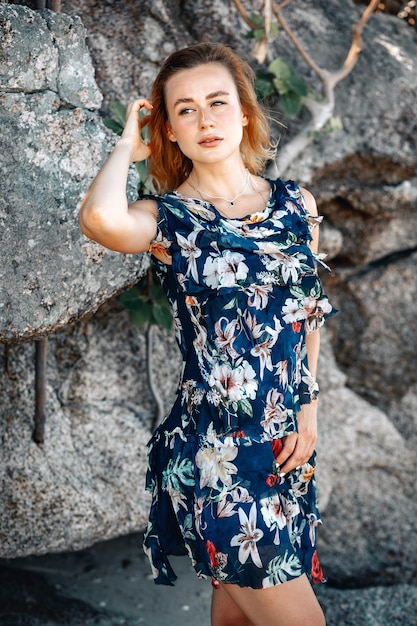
321, 112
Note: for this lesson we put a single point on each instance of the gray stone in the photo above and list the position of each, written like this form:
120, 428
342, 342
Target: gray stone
365, 476
51, 146
374, 337
395, 605
364, 178
86, 482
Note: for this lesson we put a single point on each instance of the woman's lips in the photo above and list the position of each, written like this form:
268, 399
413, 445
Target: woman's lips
210, 142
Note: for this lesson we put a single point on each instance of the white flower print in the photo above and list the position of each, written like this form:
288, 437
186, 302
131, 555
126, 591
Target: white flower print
177, 322
282, 373
258, 296
313, 522
225, 332
301, 480
198, 513
234, 383
273, 515
292, 311
226, 506
263, 352
275, 413
170, 436
316, 316
298, 351
275, 258
256, 329
214, 397
248, 538
310, 381
291, 507
190, 251
276, 218
274, 332
215, 465
225, 270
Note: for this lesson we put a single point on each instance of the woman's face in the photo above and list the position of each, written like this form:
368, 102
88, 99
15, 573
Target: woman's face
205, 116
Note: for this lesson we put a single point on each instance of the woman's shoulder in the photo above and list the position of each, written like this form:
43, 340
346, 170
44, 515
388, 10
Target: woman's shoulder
293, 191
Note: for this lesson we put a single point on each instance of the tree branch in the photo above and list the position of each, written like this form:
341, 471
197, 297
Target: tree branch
321, 112
291, 36
243, 14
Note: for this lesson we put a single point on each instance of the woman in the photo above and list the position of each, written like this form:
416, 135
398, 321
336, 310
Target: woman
231, 467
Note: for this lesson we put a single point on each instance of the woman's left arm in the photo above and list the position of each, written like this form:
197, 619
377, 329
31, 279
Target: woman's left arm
298, 447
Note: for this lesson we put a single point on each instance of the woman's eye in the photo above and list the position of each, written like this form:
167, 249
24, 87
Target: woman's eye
186, 111
217, 103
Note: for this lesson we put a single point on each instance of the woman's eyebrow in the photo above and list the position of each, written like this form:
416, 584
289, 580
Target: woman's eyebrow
214, 94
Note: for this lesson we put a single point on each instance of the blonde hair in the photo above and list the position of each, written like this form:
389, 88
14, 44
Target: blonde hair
167, 164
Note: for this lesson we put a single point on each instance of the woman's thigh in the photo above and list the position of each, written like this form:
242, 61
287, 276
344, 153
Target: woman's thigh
225, 611
290, 604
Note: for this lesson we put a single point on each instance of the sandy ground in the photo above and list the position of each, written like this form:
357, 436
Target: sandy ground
108, 584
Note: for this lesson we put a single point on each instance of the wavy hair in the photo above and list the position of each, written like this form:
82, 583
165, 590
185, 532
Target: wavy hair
168, 166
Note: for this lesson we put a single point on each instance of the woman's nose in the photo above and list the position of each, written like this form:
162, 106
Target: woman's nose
205, 119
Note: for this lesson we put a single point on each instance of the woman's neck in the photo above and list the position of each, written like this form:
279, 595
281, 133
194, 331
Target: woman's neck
225, 180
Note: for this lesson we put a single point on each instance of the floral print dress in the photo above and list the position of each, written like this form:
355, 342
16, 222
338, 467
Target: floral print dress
244, 293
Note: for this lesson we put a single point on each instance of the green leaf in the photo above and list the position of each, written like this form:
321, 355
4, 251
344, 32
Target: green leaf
113, 125
296, 84
259, 33
162, 315
142, 316
119, 112
246, 407
257, 19
281, 86
157, 294
280, 68
264, 88
273, 30
290, 103
130, 298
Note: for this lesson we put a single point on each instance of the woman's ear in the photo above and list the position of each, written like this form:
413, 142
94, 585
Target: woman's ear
171, 135
245, 119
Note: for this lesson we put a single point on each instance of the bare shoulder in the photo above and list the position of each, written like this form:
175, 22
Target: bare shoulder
309, 201
147, 206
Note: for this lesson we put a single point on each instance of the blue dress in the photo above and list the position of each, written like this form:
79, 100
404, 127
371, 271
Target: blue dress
244, 293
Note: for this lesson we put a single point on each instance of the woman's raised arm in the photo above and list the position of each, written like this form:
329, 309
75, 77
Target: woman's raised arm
105, 214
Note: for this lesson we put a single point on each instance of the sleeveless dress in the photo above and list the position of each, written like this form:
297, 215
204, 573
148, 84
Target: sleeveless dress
244, 293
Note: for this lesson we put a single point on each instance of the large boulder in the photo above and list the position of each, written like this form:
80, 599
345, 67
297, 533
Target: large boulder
364, 178
51, 146
86, 481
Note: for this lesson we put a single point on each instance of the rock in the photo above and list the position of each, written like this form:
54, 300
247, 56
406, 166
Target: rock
86, 482
377, 606
372, 337
367, 472
52, 145
364, 178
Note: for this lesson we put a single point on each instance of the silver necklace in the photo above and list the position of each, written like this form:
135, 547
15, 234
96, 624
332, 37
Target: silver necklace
203, 194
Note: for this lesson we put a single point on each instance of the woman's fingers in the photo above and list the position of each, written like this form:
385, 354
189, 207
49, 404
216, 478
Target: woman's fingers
288, 446
137, 104
133, 127
296, 450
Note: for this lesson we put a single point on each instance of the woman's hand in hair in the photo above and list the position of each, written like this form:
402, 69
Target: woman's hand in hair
132, 131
